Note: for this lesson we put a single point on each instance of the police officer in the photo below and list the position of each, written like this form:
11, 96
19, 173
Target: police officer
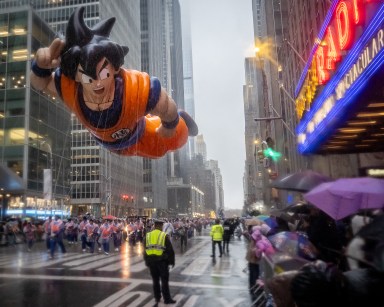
217, 232
158, 255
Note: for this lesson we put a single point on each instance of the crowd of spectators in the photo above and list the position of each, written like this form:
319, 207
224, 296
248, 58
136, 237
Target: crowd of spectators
348, 269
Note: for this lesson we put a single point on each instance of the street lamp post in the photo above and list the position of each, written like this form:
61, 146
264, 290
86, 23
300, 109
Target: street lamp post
49, 175
108, 190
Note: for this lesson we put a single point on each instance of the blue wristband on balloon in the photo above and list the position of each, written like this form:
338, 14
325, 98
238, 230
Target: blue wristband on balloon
172, 124
40, 72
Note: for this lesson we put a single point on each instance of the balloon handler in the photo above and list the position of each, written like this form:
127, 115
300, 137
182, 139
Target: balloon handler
126, 111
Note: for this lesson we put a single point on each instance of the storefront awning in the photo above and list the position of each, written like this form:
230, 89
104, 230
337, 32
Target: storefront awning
363, 127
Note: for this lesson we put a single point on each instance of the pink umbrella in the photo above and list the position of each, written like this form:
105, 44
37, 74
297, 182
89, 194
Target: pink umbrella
347, 196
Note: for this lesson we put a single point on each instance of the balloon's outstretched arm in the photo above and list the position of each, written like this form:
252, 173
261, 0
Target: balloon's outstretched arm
45, 60
166, 109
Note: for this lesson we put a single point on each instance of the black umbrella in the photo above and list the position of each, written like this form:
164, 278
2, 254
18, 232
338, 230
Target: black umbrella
373, 230
299, 208
282, 214
300, 182
373, 236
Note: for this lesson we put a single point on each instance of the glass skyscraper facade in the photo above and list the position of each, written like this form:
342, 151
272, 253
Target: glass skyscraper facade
34, 127
90, 186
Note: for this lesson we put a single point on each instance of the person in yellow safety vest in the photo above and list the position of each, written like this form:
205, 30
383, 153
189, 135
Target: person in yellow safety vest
158, 256
217, 232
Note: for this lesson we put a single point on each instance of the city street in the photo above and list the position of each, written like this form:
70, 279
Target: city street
121, 279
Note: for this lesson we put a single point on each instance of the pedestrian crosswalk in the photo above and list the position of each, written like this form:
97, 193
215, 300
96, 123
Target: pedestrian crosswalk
122, 279
194, 262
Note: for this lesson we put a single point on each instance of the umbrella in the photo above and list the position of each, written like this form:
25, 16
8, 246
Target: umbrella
269, 220
347, 196
284, 215
299, 208
374, 229
253, 222
373, 240
300, 182
294, 243
109, 217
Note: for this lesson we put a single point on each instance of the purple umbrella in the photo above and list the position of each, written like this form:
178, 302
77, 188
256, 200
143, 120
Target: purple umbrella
347, 196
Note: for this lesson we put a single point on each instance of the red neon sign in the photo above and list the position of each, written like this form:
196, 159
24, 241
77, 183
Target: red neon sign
357, 12
339, 36
343, 22
333, 54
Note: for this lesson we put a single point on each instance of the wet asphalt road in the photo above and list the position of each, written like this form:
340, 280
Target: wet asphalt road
121, 279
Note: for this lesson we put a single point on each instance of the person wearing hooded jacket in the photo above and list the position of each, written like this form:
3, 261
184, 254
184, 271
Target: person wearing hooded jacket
262, 244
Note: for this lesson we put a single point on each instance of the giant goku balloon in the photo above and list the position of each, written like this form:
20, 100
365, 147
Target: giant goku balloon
125, 110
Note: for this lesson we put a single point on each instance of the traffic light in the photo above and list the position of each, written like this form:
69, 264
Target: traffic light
270, 142
270, 153
127, 198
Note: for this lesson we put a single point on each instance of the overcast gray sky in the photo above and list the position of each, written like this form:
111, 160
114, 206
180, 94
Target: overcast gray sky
222, 36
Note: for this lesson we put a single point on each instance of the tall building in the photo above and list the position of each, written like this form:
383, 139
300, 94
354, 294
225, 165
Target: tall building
185, 200
177, 165
153, 49
162, 51
201, 147
253, 108
34, 127
213, 165
269, 104
189, 101
205, 174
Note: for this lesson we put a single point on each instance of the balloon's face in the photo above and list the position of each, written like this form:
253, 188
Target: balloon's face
105, 79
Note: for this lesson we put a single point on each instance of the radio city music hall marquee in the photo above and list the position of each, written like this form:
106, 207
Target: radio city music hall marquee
348, 51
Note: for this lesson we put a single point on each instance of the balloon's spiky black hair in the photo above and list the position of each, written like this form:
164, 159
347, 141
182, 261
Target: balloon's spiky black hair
87, 46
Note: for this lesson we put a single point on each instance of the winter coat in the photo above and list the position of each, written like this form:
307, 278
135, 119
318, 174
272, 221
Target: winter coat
217, 232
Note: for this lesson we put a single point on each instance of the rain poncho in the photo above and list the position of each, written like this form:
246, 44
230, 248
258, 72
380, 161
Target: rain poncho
263, 245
